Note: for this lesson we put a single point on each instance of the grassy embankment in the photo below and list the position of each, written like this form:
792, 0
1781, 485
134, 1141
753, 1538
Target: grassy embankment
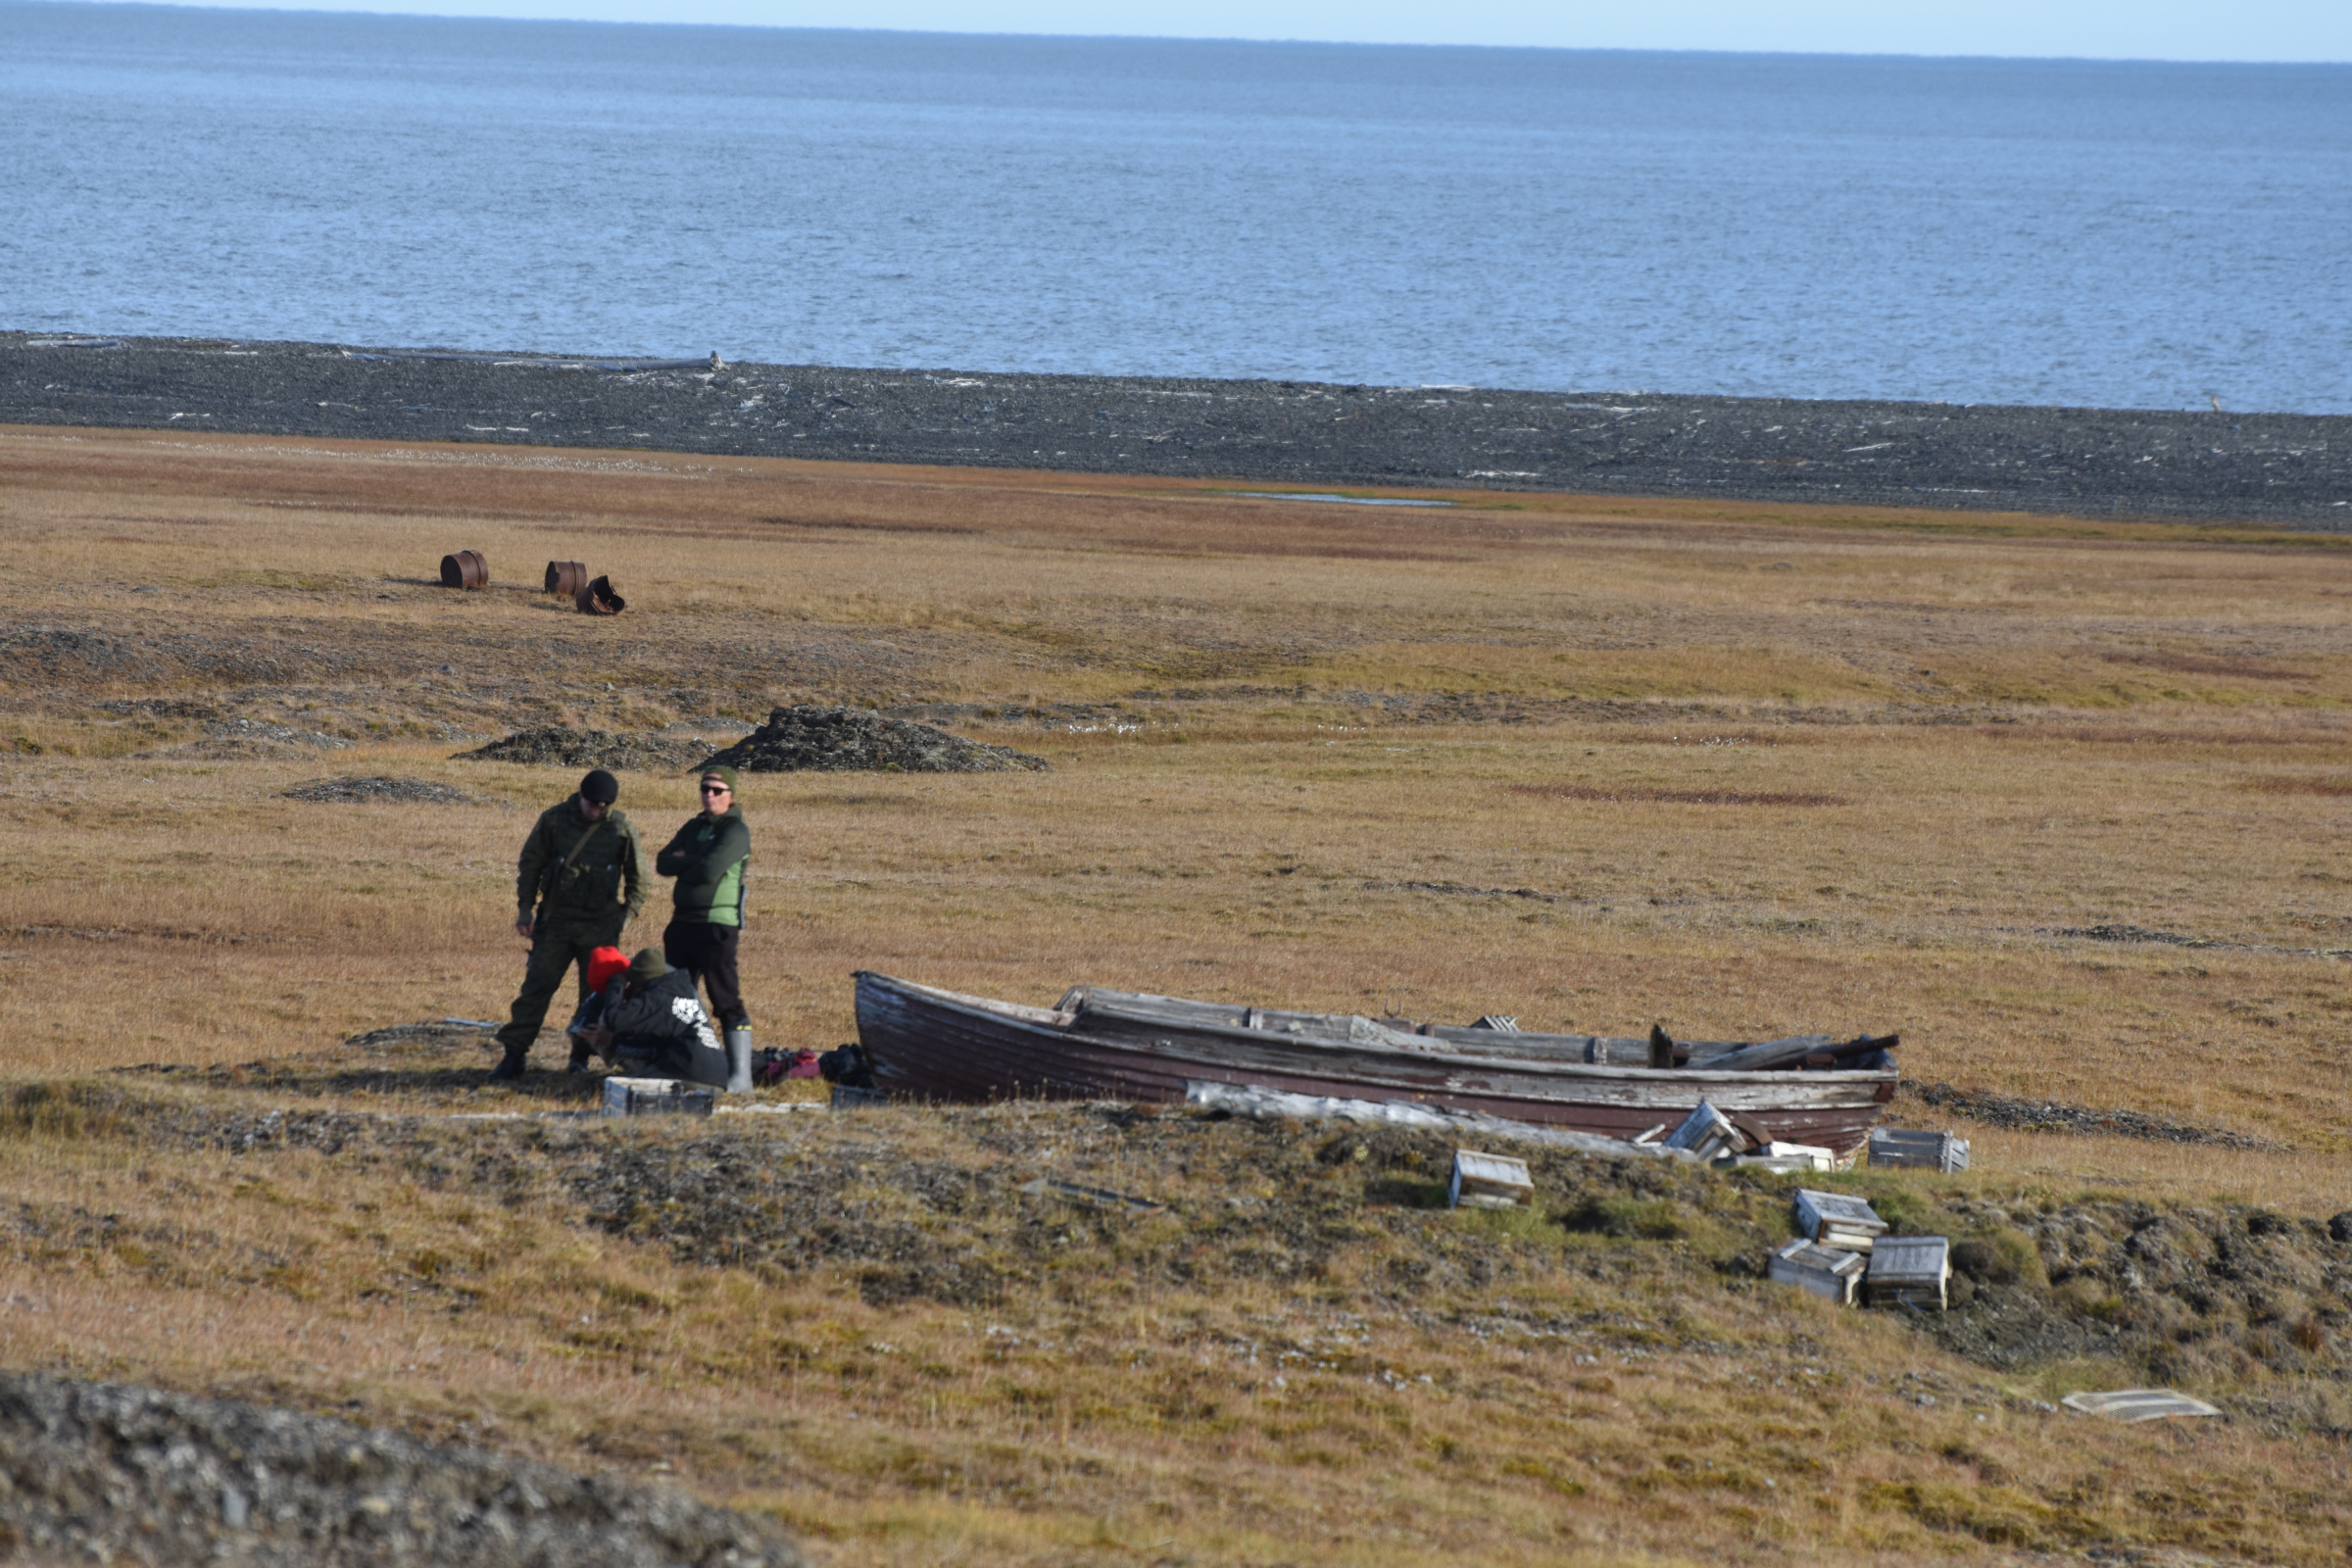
1763, 770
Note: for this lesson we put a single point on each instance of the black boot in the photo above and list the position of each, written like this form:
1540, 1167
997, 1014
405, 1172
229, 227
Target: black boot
512, 1067
579, 1057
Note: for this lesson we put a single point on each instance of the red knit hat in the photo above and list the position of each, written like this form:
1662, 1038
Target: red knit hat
602, 964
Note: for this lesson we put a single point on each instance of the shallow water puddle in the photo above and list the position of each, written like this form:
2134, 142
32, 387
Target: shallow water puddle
1325, 495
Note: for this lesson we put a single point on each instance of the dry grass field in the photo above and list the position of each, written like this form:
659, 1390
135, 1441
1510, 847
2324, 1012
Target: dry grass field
1736, 768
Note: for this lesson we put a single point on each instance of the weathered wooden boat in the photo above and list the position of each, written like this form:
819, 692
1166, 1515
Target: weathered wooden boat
922, 1043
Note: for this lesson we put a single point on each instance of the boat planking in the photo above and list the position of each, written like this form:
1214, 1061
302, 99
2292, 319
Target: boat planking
927, 1044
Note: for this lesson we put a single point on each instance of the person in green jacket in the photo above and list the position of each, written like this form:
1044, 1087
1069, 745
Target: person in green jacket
710, 856
580, 879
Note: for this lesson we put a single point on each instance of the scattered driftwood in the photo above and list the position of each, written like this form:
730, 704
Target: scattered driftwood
1800, 1048
1272, 1104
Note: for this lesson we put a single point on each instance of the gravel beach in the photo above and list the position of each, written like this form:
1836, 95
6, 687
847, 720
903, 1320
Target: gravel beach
93, 1471
2290, 470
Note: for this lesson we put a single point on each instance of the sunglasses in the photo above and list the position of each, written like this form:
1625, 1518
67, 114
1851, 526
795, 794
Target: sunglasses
717, 789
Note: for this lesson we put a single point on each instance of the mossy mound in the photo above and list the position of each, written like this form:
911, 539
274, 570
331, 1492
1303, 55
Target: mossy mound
854, 740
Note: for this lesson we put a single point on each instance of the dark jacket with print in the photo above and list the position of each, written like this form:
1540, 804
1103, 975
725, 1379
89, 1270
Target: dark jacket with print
654, 1026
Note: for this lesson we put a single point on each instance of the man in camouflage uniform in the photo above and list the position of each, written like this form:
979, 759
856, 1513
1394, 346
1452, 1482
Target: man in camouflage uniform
580, 879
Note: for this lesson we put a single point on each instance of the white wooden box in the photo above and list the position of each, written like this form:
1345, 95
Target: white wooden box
1895, 1149
1823, 1270
1706, 1131
656, 1096
1834, 1219
1489, 1181
1910, 1271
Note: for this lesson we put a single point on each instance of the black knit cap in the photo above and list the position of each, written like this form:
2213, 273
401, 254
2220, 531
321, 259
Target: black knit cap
601, 787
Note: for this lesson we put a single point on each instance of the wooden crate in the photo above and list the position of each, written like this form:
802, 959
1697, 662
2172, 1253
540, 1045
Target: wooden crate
1706, 1131
1910, 1272
1489, 1181
1835, 1220
656, 1096
1824, 1270
1895, 1149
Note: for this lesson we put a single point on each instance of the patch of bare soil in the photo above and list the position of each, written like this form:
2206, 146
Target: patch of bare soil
555, 746
359, 790
2332, 788
232, 740
101, 1470
840, 740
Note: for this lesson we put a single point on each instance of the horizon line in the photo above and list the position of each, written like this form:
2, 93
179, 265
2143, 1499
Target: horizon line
428, 15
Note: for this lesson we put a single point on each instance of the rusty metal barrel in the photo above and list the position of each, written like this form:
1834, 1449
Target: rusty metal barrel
598, 599
566, 577
467, 568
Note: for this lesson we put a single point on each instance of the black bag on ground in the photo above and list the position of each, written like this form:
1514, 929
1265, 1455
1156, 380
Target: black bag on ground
846, 1065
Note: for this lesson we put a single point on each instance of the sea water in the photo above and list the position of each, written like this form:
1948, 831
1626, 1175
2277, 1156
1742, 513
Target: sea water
1970, 230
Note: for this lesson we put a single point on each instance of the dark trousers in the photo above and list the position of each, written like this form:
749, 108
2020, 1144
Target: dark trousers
558, 948
707, 953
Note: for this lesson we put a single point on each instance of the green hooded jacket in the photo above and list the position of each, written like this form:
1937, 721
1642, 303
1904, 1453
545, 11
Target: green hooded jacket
568, 889
709, 856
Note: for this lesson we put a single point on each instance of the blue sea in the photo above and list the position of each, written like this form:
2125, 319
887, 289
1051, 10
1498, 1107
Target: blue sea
1967, 231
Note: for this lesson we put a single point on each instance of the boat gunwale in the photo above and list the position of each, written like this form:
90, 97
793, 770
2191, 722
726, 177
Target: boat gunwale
1044, 1020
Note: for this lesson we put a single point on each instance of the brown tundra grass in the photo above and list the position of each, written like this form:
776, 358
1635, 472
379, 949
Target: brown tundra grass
1739, 770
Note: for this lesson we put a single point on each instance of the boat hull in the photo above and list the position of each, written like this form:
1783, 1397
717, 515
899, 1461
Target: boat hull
927, 1044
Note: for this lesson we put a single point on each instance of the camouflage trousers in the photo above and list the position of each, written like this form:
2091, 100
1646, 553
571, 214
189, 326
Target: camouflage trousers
556, 949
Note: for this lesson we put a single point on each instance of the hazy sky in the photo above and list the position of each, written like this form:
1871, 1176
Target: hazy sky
2142, 29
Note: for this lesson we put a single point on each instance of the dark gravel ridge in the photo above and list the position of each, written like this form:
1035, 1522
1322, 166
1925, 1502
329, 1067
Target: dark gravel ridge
97, 1471
2285, 469
2057, 1116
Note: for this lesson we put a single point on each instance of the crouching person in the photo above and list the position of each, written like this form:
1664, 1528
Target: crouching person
605, 965
653, 1025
